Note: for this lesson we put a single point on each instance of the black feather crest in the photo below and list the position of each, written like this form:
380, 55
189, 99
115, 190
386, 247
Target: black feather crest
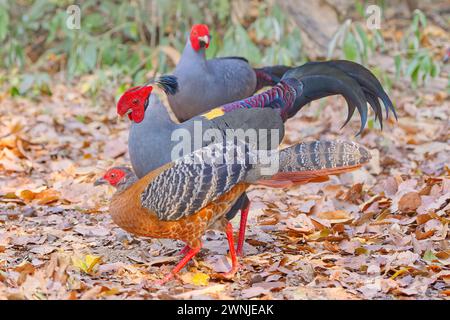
168, 83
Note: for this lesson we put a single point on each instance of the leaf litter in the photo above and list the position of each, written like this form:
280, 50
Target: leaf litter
379, 233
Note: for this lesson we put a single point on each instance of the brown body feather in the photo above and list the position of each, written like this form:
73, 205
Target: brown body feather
127, 212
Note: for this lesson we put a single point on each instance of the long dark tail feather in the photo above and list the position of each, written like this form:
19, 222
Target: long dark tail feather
351, 80
320, 80
269, 76
351, 111
367, 80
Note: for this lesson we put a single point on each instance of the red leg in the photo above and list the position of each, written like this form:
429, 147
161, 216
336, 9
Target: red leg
181, 264
242, 226
184, 250
234, 262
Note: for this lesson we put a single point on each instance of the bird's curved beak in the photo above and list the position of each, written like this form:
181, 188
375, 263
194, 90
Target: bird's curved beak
100, 181
204, 40
126, 113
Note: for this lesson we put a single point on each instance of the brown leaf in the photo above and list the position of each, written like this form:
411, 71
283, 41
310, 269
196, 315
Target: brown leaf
424, 235
254, 292
27, 195
334, 215
423, 218
355, 193
409, 202
43, 249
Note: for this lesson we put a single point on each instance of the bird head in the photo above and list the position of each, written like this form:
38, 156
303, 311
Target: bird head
200, 36
135, 101
118, 177
446, 56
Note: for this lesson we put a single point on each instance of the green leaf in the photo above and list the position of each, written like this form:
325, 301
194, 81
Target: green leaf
90, 56
359, 8
364, 44
350, 48
26, 84
435, 69
398, 65
421, 16
413, 66
4, 23
14, 92
80, 118
429, 256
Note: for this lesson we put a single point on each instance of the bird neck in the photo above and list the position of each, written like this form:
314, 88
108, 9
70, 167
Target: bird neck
282, 97
155, 111
128, 182
156, 121
190, 56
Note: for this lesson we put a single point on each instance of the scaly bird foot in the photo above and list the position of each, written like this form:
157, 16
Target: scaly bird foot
226, 275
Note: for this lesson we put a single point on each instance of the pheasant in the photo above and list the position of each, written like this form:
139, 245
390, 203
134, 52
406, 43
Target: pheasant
227, 79
151, 139
184, 198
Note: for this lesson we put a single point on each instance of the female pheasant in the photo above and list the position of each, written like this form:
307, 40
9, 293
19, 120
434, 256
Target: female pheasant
186, 197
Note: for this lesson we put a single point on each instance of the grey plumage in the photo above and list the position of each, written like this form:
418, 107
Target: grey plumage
150, 142
205, 84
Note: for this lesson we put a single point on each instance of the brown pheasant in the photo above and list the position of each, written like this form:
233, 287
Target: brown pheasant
184, 198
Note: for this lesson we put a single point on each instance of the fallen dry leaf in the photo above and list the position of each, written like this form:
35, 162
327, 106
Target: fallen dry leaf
196, 278
409, 202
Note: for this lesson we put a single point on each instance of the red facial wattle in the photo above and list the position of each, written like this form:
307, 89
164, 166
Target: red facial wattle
133, 103
199, 36
114, 176
137, 115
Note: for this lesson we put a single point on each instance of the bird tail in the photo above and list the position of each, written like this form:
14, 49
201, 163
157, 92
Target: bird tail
351, 80
314, 161
269, 76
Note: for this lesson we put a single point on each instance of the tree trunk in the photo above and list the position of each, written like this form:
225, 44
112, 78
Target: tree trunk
317, 20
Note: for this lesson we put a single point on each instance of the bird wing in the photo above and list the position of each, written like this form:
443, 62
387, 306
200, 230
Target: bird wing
195, 180
235, 58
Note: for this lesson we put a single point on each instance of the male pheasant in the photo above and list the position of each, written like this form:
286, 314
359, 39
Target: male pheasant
209, 83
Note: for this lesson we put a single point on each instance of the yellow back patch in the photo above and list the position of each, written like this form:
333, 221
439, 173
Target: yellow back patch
214, 113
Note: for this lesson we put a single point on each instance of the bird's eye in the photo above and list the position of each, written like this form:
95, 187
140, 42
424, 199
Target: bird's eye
113, 175
135, 101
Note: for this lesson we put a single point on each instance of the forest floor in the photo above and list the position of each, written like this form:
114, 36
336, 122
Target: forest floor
377, 233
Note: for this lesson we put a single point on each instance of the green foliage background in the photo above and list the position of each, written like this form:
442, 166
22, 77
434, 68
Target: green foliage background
128, 38
120, 42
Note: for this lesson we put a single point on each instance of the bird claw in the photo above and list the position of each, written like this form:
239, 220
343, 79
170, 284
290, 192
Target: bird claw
228, 276
167, 278
159, 282
184, 251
